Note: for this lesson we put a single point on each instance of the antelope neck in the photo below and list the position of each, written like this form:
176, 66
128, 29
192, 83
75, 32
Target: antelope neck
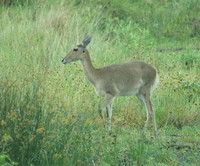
88, 68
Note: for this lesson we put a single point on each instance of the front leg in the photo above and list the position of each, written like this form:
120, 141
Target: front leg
101, 112
107, 103
109, 116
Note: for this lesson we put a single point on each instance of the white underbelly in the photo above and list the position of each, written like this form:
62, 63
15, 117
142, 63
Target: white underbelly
132, 92
119, 90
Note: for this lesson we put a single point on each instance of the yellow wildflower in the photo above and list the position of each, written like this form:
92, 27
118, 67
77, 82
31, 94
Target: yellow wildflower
40, 130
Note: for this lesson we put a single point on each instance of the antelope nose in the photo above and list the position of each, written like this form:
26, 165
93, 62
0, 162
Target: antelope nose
64, 61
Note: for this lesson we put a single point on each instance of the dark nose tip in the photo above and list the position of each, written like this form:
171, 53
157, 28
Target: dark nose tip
62, 60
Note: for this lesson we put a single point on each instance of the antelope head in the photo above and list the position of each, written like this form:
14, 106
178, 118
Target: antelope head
78, 52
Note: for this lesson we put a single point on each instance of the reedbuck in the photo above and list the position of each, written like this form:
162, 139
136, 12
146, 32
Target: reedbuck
134, 78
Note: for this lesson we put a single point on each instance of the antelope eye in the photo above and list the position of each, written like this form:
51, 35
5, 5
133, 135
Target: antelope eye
75, 49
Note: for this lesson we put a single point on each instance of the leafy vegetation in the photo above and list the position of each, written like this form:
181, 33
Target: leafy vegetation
48, 111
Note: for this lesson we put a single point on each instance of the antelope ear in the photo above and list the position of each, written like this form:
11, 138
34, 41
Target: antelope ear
86, 41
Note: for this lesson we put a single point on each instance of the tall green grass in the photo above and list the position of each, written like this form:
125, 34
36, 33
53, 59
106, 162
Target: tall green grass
48, 111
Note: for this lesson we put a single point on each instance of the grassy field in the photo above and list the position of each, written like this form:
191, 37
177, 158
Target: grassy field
48, 111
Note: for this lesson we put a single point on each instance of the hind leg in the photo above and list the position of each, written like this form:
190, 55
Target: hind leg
145, 100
